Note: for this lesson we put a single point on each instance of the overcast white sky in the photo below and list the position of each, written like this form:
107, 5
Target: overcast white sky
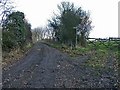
104, 14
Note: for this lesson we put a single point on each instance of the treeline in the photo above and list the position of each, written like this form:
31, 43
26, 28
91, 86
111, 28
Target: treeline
16, 31
71, 25
41, 33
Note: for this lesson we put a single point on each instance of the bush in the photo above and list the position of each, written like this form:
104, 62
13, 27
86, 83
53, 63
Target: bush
16, 31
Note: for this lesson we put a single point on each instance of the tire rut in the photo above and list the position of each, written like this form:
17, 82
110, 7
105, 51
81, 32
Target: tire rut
46, 67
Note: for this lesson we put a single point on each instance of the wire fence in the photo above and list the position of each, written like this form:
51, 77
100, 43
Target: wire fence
110, 43
104, 39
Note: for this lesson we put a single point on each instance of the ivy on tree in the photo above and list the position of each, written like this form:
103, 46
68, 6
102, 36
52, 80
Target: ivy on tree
16, 31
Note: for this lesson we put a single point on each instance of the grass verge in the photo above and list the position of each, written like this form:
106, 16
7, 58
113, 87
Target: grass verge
101, 54
8, 58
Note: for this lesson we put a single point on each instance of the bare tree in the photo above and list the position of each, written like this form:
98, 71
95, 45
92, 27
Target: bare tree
37, 34
83, 29
41, 33
6, 7
48, 33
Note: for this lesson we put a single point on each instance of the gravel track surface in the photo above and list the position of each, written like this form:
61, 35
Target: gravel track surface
46, 67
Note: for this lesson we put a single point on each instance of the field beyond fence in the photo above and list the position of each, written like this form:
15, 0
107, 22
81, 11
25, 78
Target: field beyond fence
104, 39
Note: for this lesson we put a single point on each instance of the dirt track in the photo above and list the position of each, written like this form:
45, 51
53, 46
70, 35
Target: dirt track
46, 67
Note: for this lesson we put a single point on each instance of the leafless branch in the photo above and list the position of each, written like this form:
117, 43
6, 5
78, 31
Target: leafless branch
5, 9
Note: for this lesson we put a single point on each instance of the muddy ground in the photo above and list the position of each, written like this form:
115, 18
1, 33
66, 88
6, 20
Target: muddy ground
47, 67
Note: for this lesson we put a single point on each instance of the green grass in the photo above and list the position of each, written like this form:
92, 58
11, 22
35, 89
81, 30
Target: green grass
99, 52
98, 59
102, 53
